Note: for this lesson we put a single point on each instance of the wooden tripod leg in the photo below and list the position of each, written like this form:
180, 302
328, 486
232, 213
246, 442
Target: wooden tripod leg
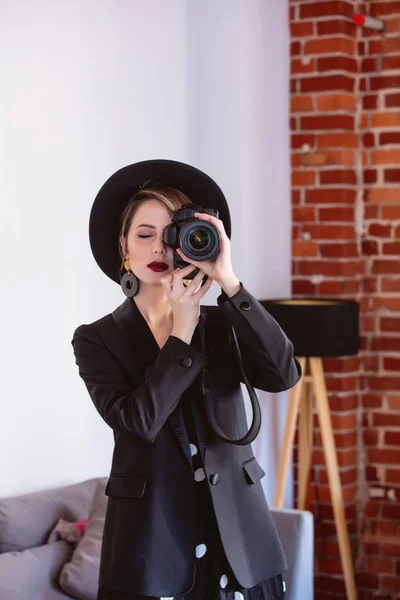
305, 443
288, 438
328, 441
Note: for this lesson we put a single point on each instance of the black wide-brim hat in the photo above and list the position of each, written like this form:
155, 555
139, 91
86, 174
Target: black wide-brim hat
110, 202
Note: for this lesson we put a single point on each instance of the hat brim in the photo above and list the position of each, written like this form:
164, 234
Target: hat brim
104, 222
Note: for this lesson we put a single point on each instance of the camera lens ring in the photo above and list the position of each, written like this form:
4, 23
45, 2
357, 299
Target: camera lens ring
204, 228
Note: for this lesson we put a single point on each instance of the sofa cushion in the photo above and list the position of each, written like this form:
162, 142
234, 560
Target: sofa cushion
27, 520
80, 576
33, 574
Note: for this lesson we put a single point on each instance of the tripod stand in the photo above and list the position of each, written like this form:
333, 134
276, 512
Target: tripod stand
301, 404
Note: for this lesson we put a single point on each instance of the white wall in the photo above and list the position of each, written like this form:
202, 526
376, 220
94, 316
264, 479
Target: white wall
238, 123
91, 87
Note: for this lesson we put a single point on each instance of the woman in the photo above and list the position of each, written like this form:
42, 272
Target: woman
186, 515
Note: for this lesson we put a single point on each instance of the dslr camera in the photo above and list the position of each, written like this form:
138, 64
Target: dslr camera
198, 240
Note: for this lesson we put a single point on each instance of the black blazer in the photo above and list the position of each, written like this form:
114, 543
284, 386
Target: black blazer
149, 540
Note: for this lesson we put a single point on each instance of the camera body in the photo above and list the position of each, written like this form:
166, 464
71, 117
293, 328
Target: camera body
198, 240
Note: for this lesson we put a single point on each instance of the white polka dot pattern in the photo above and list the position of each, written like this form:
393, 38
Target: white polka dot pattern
199, 474
239, 596
284, 586
223, 582
201, 549
193, 450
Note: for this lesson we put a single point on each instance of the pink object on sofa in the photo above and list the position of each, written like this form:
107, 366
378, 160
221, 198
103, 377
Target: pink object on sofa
68, 531
81, 526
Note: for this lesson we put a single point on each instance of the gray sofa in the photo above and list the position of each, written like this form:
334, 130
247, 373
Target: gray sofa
30, 568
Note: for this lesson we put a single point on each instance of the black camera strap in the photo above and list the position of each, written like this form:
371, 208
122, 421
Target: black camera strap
209, 395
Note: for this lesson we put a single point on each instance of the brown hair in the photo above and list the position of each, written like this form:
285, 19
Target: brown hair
170, 197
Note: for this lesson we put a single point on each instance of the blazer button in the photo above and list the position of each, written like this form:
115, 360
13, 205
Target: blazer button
186, 362
244, 306
214, 479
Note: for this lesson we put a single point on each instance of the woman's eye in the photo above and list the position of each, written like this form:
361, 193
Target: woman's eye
144, 235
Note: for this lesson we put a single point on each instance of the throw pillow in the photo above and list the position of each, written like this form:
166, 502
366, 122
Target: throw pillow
80, 576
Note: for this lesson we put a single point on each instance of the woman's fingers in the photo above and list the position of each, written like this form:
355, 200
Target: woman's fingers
204, 288
167, 280
218, 223
173, 283
198, 277
194, 284
181, 273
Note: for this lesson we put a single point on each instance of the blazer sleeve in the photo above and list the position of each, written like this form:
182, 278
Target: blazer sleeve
142, 410
266, 351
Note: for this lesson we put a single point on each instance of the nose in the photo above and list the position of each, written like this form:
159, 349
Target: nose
159, 247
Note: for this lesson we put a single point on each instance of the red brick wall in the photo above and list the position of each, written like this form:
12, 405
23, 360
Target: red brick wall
345, 119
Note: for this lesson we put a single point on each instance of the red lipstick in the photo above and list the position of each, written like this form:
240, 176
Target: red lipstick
158, 267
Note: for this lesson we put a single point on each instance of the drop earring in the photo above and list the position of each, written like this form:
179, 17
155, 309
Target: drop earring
129, 282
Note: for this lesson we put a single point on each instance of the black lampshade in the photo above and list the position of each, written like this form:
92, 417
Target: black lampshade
318, 327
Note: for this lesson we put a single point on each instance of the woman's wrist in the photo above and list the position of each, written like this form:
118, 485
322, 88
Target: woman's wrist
230, 286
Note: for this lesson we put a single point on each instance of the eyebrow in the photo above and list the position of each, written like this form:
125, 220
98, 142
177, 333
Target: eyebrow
146, 225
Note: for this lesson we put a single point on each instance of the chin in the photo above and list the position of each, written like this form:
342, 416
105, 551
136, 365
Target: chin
154, 279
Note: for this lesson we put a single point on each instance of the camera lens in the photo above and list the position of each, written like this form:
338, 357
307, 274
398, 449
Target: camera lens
199, 239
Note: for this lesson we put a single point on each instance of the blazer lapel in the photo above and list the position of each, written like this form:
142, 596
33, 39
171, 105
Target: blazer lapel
144, 350
136, 332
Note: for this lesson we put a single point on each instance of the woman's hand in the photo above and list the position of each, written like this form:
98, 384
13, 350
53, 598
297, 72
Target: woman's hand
219, 269
185, 301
